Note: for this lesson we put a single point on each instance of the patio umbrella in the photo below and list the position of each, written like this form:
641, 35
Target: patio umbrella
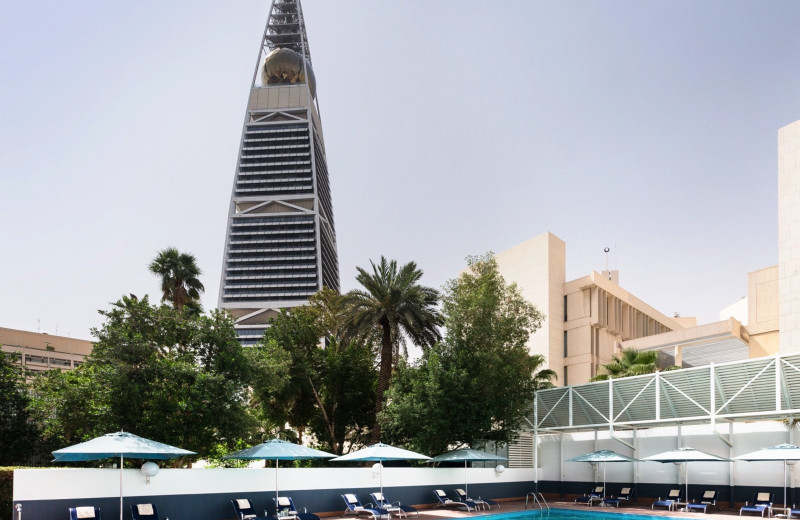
276, 450
466, 455
784, 452
603, 456
119, 444
380, 452
685, 455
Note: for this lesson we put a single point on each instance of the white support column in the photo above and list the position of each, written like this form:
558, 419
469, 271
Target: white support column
536, 444
713, 398
778, 385
658, 396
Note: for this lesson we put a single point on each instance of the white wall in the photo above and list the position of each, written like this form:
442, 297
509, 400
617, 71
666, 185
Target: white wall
747, 437
52, 484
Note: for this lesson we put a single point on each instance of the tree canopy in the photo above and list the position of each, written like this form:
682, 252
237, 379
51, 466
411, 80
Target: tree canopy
16, 431
180, 279
477, 384
392, 305
155, 371
309, 377
631, 362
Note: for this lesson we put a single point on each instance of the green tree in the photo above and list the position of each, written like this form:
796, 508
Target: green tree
393, 306
180, 282
16, 430
305, 375
632, 362
157, 372
477, 384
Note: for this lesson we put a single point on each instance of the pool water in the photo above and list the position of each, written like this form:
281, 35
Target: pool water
568, 514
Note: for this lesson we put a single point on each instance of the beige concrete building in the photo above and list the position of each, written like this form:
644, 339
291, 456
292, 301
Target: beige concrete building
593, 318
587, 319
40, 351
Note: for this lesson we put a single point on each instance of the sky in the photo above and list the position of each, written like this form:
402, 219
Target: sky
452, 128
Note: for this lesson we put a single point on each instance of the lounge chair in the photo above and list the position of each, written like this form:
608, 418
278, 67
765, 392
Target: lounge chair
144, 512
595, 495
380, 500
484, 502
673, 496
444, 501
244, 508
709, 499
793, 513
284, 507
84, 513
353, 505
762, 502
625, 495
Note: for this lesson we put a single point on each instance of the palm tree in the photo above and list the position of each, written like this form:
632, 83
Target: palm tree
179, 274
393, 306
632, 362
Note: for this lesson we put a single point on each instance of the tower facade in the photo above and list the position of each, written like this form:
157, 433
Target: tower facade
280, 245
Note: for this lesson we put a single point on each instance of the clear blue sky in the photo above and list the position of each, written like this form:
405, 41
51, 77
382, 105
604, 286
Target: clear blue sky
452, 128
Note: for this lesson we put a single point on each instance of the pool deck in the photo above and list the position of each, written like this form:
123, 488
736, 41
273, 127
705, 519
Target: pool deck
640, 508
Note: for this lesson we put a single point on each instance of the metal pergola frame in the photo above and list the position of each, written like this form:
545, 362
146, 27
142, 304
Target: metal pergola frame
766, 388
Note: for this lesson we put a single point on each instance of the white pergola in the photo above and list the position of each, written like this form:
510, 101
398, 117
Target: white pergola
766, 388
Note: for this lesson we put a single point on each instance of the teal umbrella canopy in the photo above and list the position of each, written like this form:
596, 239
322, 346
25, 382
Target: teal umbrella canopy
380, 452
602, 456
684, 455
119, 444
781, 452
277, 449
466, 455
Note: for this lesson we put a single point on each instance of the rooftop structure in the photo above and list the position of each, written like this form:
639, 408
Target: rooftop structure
280, 246
40, 351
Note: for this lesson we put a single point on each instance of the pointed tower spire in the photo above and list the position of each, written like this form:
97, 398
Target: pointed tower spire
280, 246
286, 28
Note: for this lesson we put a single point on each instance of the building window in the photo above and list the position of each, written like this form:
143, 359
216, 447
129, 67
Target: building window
565, 307
566, 375
565, 343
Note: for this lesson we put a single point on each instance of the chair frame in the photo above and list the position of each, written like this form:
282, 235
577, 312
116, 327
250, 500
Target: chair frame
759, 506
621, 497
670, 500
445, 501
705, 502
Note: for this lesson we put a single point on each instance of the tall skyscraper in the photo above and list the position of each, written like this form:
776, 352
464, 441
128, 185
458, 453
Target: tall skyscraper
280, 246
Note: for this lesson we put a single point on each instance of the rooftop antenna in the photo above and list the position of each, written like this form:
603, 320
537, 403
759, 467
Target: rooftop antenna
608, 273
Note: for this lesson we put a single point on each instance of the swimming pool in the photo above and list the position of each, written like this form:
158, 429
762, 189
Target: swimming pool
569, 514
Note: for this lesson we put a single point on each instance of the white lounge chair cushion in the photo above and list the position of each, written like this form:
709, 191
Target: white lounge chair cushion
145, 509
84, 512
762, 497
243, 503
351, 498
284, 502
379, 496
674, 493
709, 494
625, 491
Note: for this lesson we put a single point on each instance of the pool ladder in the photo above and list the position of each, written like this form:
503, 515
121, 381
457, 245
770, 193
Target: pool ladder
537, 499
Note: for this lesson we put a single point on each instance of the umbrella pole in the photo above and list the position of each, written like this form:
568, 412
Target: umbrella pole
380, 475
686, 481
784, 484
121, 456
276, 487
466, 482
604, 482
